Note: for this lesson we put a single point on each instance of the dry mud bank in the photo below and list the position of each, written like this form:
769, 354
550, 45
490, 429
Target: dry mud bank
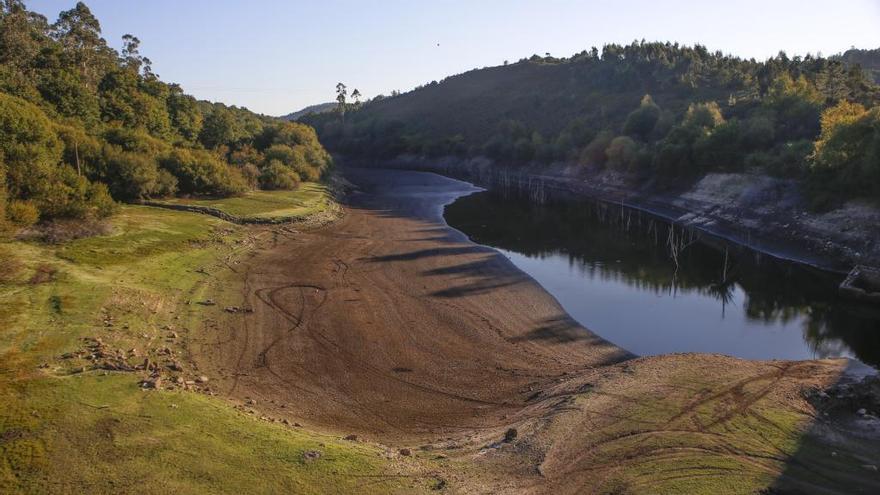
393, 327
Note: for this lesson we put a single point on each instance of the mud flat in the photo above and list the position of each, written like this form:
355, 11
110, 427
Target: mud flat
390, 326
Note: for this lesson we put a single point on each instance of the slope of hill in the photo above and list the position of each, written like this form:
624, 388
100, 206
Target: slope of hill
650, 110
82, 125
869, 60
317, 108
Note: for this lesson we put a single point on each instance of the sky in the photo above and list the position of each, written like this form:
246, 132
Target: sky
277, 56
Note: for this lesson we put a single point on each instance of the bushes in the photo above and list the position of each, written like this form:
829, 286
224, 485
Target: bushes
201, 172
642, 121
276, 175
847, 154
22, 213
622, 154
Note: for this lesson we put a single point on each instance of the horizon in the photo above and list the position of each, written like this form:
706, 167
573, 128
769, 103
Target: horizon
364, 51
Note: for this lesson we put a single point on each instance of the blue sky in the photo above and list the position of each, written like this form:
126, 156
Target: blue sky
276, 56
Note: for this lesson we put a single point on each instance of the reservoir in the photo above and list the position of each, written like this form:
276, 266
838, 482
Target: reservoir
654, 288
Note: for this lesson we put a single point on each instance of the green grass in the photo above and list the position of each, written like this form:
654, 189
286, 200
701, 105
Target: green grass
62, 431
308, 199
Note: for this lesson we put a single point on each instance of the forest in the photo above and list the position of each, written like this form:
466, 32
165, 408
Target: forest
649, 110
83, 126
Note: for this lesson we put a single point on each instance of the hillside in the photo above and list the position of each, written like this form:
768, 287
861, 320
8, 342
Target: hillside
650, 110
317, 108
83, 126
869, 60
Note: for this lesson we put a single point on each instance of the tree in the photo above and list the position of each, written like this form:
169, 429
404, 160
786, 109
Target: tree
642, 121
356, 96
341, 94
79, 33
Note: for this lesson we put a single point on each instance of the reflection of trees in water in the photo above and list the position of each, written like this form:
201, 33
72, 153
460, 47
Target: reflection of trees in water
613, 244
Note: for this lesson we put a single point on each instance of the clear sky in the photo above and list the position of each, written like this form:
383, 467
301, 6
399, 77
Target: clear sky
277, 56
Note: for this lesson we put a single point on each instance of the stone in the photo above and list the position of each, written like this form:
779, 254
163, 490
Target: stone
202, 379
405, 452
311, 455
351, 438
510, 435
862, 412
870, 467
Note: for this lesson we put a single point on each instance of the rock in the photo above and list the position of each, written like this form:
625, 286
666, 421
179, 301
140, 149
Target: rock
405, 452
153, 383
202, 379
251, 402
862, 412
870, 467
311, 455
297, 425
351, 438
510, 435
208, 302
172, 335
179, 380
175, 366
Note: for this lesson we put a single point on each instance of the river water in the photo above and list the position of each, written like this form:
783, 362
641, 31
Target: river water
652, 288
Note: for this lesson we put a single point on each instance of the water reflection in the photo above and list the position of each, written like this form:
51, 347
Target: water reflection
654, 288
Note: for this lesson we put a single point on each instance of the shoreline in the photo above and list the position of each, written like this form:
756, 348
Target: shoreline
391, 327
761, 227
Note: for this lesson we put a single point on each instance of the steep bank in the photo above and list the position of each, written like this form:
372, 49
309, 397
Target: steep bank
394, 328
764, 213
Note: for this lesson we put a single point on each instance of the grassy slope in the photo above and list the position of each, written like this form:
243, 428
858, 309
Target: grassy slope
309, 199
66, 431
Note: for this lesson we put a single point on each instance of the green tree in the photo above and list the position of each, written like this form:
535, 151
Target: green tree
341, 94
642, 121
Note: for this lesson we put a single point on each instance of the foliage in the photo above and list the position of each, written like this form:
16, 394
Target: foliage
848, 150
685, 110
79, 120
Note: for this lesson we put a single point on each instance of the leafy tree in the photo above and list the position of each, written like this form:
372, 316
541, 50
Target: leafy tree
622, 153
704, 115
276, 175
641, 122
219, 127
341, 94
201, 172
849, 147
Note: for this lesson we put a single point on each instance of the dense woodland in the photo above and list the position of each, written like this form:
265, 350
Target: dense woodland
656, 111
83, 126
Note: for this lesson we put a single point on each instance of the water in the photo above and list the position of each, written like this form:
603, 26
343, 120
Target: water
653, 289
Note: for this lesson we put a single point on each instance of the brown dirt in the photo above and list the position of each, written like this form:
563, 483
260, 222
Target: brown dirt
392, 326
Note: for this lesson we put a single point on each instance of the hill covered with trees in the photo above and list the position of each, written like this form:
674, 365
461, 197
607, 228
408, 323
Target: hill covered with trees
650, 110
83, 126
868, 60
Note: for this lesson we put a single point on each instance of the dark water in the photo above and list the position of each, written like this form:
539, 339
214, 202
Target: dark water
653, 289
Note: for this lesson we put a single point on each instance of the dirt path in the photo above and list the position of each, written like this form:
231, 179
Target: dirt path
394, 327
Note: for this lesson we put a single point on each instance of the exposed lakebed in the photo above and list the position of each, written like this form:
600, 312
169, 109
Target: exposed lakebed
653, 288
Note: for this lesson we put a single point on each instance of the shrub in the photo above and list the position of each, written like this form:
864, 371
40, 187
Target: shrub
276, 176
622, 154
706, 115
201, 172
22, 213
641, 122
594, 153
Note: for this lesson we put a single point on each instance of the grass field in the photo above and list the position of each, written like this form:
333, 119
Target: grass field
310, 198
68, 428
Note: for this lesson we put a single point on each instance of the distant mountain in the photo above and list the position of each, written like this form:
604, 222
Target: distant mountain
319, 108
868, 59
